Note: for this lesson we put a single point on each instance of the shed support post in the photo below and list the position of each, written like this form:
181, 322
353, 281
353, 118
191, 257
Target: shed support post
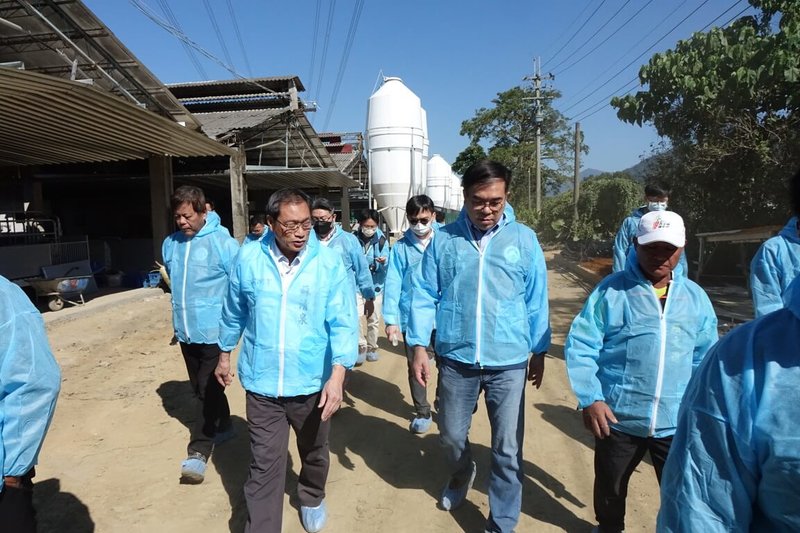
160, 168
346, 209
239, 210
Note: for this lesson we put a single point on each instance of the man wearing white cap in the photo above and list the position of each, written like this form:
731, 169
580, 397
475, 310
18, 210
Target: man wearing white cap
630, 353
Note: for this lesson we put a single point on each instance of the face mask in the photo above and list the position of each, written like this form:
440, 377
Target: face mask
420, 230
656, 206
322, 227
368, 232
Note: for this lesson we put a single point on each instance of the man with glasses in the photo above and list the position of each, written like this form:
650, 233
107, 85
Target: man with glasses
291, 300
332, 236
483, 282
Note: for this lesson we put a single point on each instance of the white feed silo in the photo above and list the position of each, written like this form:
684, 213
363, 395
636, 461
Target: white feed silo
438, 185
456, 194
426, 143
395, 139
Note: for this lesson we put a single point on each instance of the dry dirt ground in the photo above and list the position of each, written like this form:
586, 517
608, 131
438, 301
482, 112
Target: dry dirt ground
112, 457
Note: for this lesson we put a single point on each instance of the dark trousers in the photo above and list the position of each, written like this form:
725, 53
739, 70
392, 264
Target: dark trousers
615, 459
269, 420
16, 507
419, 394
212, 411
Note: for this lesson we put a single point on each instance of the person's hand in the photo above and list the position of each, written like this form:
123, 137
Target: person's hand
223, 371
536, 370
369, 307
331, 397
420, 366
596, 418
393, 334
380, 260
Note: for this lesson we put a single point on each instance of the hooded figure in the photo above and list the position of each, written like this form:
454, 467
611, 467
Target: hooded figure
198, 258
774, 267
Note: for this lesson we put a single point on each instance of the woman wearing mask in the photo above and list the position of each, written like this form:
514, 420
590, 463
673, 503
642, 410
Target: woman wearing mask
406, 255
376, 250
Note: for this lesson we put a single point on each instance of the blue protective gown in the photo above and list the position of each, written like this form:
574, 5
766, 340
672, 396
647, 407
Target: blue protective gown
372, 250
199, 268
734, 465
354, 261
490, 307
623, 243
29, 381
291, 338
405, 256
773, 268
625, 350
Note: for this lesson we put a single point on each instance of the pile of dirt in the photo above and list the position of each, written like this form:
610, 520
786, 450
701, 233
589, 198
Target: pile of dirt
599, 265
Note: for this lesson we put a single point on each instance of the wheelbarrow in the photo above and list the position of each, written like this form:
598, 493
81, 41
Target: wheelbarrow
60, 291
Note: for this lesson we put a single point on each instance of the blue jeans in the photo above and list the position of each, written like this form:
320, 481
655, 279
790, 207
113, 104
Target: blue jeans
459, 389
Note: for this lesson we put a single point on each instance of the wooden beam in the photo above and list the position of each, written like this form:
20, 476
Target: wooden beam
239, 209
160, 192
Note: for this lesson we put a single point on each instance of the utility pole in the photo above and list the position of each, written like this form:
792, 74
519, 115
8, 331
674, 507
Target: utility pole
538, 118
577, 184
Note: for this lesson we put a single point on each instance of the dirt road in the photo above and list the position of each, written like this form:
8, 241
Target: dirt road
112, 457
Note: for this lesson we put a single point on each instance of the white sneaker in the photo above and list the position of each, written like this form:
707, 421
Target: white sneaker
372, 356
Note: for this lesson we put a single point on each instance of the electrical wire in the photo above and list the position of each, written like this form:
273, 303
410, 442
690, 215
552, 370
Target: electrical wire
239, 37
314, 46
323, 60
221, 40
586, 113
576, 32
592, 36
351, 35
635, 59
566, 31
189, 51
604, 41
146, 11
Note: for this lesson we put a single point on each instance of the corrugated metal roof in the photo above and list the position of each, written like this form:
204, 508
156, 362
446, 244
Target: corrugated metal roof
271, 180
98, 54
237, 86
217, 124
49, 120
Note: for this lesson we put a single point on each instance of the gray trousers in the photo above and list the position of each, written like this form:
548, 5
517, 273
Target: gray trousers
419, 394
269, 420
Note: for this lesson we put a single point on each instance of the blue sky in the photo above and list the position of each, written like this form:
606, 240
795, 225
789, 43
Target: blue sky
456, 55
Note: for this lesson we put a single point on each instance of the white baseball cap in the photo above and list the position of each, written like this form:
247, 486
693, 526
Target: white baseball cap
661, 226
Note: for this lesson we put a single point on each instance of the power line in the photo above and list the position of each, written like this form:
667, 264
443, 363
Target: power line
577, 31
605, 101
213, 18
630, 49
351, 35
592, 36
635, 59
314, 46
146, 11
239, 37
566, 31
192, 57
604, 41
329, 25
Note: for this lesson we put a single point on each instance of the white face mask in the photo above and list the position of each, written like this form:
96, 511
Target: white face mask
368, 232
656, 206
420, 229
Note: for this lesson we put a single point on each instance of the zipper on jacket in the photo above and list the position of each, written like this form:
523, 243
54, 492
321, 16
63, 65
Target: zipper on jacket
661, 358
479, 308
282, 335
183, 289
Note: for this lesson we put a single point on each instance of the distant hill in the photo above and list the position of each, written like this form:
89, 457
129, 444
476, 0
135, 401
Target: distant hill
589, 172
641, 169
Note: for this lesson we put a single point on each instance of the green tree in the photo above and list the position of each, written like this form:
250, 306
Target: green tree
471, 154
508, 129
727, 101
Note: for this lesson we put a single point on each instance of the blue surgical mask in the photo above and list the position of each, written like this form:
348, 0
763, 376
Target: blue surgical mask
656, 206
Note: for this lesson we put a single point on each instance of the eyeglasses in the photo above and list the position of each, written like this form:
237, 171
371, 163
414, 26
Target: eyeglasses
414, 221
494, 205
292, 225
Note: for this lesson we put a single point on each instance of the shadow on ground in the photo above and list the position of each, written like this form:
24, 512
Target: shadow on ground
59, 512
384, 445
